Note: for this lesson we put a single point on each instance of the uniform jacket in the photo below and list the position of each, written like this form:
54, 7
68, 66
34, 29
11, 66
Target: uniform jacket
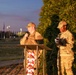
67, 50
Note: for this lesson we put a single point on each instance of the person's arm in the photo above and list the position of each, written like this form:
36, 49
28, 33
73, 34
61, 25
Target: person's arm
39, 38
70, 41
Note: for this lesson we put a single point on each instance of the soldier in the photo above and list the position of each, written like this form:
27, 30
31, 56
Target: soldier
31, 38
65, 43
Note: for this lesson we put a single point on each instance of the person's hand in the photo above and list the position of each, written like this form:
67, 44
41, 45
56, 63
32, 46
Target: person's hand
57, 41
26, 35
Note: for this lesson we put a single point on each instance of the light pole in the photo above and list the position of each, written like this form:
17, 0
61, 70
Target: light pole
20, 31
8, 29
4, 30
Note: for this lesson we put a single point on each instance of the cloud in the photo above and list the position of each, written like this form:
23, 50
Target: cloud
14, 17
17, 21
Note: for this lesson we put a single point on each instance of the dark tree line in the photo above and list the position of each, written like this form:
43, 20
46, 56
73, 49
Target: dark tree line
51, 13
7, 34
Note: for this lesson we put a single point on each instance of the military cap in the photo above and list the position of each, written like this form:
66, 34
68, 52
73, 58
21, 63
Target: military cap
61, 24
31, 24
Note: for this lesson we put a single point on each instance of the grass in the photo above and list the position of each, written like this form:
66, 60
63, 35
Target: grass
9, 49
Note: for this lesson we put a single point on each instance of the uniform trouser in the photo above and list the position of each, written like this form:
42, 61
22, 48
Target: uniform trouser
64, 64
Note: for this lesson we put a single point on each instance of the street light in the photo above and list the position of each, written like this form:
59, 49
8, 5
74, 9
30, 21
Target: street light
20, 29
8, 29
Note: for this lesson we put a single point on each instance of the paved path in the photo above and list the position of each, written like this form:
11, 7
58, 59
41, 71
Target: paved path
12, 67
10, 62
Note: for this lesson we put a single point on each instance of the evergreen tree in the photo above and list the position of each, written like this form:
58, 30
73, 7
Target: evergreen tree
51, 13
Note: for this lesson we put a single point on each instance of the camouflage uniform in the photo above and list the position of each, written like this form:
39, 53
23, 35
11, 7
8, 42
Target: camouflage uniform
31, 54
65, 54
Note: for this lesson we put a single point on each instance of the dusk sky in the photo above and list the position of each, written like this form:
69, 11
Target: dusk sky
18, 13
